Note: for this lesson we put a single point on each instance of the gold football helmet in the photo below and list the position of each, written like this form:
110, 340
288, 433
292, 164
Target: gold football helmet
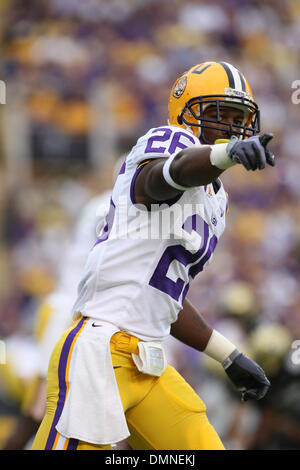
213, 83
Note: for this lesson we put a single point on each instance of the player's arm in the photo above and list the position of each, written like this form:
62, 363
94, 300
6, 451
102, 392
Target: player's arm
163, 179
191, 328
248, 377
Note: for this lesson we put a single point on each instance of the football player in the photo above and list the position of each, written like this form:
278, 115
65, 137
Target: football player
108, 378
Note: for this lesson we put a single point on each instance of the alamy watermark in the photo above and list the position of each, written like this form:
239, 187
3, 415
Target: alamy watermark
295, 356
296, 94
185, 222
2, 92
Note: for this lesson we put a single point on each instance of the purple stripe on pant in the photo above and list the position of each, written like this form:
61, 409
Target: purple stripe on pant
62, 382
73, 443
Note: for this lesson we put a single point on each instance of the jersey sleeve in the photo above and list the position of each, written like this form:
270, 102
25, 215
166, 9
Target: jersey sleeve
161, 142
158, 142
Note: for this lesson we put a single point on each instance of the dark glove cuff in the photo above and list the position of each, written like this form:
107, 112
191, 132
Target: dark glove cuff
230, 359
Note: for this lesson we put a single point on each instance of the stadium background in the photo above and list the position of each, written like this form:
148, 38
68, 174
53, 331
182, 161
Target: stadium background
83, 81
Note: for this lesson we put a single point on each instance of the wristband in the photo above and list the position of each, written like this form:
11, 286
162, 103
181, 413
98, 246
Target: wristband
168, 178
219, 347
219, 156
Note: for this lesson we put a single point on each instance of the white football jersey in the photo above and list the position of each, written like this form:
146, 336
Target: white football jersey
139, 271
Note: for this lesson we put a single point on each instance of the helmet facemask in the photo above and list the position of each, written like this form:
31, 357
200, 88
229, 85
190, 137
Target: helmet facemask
192, 115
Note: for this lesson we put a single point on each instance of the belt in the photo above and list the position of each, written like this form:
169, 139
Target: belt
124, 342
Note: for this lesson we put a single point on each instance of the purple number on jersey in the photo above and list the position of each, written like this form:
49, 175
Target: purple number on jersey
158, 138
174, 144
179, 253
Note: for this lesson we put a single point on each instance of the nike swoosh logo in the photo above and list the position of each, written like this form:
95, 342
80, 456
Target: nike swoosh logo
95, 325
117, 367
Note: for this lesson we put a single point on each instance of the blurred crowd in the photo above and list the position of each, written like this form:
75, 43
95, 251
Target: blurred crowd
83, 81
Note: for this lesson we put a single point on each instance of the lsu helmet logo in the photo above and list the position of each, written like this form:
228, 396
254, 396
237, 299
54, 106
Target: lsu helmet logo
180, 86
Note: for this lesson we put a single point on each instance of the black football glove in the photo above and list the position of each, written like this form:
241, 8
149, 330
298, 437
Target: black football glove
247, 376
252, 153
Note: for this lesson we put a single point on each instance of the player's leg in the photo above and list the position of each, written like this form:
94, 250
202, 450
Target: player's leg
132, 384
47, 437
171, 416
